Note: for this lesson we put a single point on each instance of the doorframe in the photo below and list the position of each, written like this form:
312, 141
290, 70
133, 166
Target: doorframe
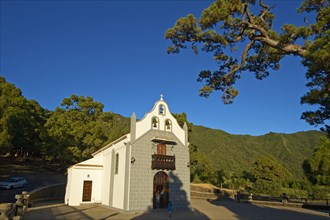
164, 186
91, 190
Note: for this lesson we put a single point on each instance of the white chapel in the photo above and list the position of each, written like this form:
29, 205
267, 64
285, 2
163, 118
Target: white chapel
127, 173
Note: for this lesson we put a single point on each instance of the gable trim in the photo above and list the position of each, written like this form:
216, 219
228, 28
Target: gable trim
88, 165
109, 145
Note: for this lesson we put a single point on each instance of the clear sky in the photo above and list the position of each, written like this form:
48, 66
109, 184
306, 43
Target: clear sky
115, 52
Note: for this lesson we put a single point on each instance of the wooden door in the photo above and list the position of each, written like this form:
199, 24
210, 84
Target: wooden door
161, 186
161, 149
87, 191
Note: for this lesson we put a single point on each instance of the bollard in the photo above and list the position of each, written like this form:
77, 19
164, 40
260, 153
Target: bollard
25, 200
5, 209
19, 198
284, 198
250, 198
19, 205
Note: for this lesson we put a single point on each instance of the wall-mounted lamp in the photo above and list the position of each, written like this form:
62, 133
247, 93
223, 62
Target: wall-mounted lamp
188, 164
132, 160
88, 175
172, 147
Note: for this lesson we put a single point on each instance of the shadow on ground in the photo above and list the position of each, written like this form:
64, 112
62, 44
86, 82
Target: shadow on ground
62, 211
249, 211
94, 211
201, 210
179, 214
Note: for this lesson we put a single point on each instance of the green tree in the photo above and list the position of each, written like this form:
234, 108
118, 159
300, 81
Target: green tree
318, 65
317, 168
227, 25
21, 122
203, 171
78, 128
268, 176
181, 119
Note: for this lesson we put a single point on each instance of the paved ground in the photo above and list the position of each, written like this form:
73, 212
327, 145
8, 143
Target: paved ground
36, 176
201, 210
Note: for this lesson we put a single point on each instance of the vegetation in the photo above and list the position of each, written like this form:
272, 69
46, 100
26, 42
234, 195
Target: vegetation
227, 25
271, 163
317, 167
21, 122
268, 175
78, 128
69, 134
223, 148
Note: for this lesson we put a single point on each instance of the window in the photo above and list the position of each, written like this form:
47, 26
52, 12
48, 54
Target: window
161, 149
161, 109
117, 164
155, 122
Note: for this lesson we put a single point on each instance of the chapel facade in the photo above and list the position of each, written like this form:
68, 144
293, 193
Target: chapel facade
127, 173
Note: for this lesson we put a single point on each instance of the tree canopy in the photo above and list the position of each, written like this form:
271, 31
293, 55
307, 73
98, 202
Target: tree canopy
317, 167
21, 122
79, 127
227, 25
76, 129
268, 176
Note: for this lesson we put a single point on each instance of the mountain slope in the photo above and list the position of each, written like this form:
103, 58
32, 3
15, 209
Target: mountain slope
236, 153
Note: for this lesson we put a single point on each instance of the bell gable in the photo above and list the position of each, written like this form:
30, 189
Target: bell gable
159, 118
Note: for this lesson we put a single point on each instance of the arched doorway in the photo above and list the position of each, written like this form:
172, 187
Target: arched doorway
161, 186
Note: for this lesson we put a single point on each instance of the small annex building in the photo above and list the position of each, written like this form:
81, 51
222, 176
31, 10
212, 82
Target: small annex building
127, 173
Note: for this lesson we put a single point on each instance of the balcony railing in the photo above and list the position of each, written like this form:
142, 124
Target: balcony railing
163, 162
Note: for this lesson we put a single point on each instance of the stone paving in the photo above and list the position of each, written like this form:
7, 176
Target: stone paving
201, 210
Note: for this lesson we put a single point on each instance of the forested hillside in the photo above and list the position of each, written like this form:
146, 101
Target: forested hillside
69, 134
237, 153
78, 127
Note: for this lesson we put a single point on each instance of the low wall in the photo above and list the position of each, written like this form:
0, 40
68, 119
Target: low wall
15, 211
47, 193
273, 203
285, 201
205, 195
208, 191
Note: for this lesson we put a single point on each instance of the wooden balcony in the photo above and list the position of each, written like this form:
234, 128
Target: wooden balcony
162, 162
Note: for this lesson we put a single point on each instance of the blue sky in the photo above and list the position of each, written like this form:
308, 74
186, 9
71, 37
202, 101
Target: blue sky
115, 52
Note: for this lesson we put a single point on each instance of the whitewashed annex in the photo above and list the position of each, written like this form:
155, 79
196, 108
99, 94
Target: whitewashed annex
132, 171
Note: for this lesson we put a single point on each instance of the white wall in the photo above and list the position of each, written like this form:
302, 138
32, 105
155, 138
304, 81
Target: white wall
106, 178
145, 124
119, 179
104, 157
97, 160
76, 178
68, 186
